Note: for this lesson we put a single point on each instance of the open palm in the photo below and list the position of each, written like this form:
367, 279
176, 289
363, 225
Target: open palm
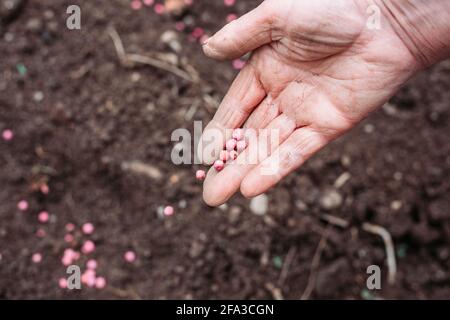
316, 70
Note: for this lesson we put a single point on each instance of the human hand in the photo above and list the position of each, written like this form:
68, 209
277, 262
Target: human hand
317, 70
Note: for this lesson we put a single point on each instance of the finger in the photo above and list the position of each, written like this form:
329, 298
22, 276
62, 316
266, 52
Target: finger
300, 146
220, 186
243, 35
262, 115
243, 96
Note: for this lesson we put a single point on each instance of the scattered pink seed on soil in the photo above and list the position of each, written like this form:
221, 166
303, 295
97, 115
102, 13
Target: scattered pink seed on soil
88, 277
36, 258
200, 175
40, 233
180, 26
223, 155
159, 8
91, 264
238, 64
233, 155
229, 3
231, 17
218, 165
87, 228
68, 238
62, 283
100, 282
198, 32
43, 217
189, 2
7, 135
231, 144
148, 2
129, 256
238, 134
136, 4
88, 247
22, 205
241, 145
70, 227
44, 189
168, 211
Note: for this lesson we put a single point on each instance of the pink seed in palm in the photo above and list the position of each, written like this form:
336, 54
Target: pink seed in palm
238, 134
241, 145
223, 155
230, 144
219, 165
233, 155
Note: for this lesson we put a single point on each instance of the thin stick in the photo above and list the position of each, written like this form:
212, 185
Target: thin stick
389, 245
276, 293
127, 59
315, 265
286, 265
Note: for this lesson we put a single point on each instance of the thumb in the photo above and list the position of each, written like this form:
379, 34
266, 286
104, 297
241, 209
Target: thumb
245, 34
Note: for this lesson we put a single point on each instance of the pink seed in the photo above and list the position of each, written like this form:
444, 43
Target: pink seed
129, 256
91, 264
241, 145
62, 283
200, 175
223, 155
36, 258
231, 144
40, 233
168, 211
68, 238
238, 134
136, 4
231, 17
148, 2
238, 64
159, 8
70, 227
229, 3
87, 228
204, 39
188, 2
219, 165
88, 247
43, 217
22, 205
233, 155
180, 26
88, 277
8, 135
198, 32
44, 188
100, 283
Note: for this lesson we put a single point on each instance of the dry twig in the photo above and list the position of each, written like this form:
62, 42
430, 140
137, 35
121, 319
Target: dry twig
389, 244
286, 265
129, 59
315, 265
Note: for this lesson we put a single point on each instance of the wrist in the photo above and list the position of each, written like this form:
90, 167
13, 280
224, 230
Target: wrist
423, 26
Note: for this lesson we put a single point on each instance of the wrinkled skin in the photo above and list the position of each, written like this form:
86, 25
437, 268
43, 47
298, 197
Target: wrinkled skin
315, 72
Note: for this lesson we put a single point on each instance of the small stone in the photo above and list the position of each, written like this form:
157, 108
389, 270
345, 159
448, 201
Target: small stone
330, 199
38, 96
259, 205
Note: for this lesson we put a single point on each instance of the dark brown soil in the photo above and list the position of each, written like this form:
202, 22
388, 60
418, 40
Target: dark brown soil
96, 115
